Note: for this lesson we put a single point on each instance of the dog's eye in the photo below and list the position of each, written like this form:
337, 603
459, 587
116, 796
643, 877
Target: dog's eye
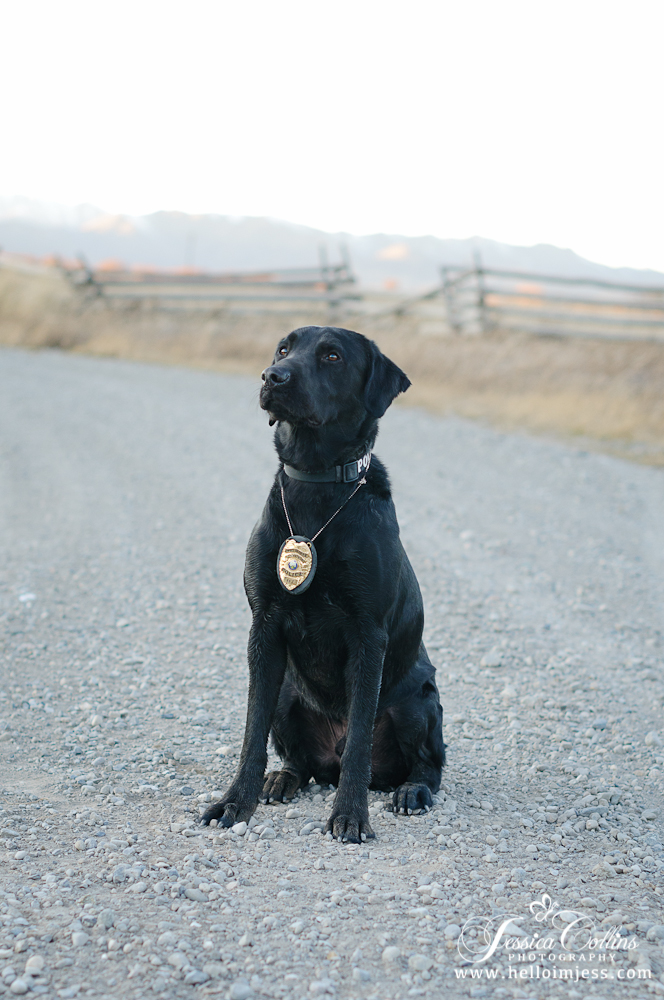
283, 351
332, 356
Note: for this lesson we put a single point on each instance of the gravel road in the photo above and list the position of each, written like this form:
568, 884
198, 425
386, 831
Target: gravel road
127, 493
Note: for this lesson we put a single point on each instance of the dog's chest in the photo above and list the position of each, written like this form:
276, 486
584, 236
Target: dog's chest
316, 622
319, 638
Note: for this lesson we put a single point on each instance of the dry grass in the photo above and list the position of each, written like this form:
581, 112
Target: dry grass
604, 393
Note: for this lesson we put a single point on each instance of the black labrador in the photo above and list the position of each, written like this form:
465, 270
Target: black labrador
337, 667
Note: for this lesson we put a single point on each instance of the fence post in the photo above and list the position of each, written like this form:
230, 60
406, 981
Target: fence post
346, 272
481, 301
481, 290
88, 283
327, 277
450, 300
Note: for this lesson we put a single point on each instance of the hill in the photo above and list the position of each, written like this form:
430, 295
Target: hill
224, 243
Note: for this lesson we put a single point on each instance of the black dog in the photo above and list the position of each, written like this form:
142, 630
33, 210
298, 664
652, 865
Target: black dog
338, 672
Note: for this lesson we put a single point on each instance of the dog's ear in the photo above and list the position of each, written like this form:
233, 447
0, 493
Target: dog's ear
384, 381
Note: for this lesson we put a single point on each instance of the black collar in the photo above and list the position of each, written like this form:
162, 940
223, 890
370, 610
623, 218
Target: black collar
348, 473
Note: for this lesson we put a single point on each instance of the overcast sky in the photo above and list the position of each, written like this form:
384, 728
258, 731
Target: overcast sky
525, 122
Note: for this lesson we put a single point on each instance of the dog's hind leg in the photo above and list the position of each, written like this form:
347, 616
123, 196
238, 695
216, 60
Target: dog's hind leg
418, 727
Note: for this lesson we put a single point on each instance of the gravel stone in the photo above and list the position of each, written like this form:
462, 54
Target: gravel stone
106, 919
178, 960
320, 987
604, 870
196, 977
420, 963
197, 895
240, 990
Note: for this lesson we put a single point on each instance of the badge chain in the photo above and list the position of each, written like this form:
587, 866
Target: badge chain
361, 483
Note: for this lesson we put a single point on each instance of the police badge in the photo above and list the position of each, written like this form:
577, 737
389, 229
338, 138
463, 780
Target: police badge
296, 564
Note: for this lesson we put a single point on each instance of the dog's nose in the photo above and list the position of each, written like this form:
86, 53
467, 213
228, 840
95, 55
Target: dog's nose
275, 375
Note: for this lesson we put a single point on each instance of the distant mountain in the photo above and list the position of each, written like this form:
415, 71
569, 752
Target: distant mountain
223, 243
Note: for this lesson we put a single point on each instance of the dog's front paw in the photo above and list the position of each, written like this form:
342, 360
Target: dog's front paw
280, 786
412, 797
349, 827
233, 808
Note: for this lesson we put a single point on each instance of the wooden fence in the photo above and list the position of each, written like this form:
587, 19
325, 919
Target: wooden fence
480, 300
468, 301
326, 286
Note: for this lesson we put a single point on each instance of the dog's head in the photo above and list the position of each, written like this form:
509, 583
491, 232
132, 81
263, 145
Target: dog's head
324, 375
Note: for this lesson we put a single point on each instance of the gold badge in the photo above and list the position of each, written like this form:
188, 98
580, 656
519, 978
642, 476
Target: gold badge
296, 564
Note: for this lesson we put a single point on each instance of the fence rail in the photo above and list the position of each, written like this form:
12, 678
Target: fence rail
326, 285
480, 300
